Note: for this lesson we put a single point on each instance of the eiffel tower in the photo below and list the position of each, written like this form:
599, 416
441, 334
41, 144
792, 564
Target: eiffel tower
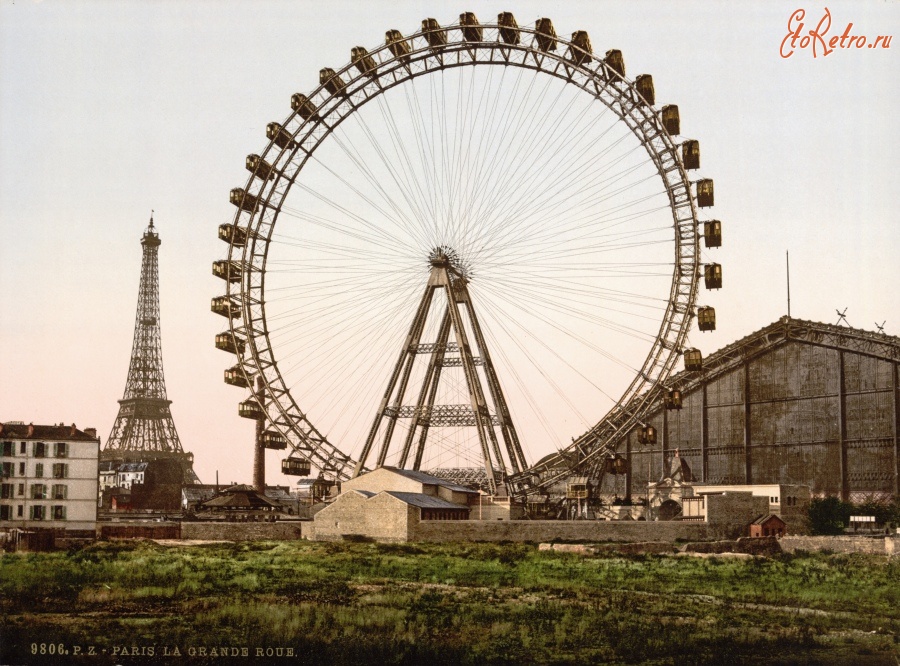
501, 455
144, 430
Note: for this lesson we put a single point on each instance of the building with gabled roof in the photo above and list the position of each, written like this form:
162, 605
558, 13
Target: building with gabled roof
49, 477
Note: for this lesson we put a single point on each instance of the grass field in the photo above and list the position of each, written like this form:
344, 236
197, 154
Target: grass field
362, 603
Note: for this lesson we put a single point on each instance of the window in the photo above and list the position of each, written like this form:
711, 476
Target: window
5, 512
62, 450
21, 469
8, 470
19, 511
38, 512
38, 491
39, 470
21, 490
6, 491
40, 449
59, 512
8, 449
60, 491
60, 470
22, 449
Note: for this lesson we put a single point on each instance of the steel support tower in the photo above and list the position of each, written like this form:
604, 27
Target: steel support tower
144, 429
449, 277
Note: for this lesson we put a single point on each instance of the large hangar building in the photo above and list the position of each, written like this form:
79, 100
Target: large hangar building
797, 402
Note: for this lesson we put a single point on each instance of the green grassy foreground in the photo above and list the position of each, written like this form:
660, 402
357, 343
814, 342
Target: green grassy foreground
362, 603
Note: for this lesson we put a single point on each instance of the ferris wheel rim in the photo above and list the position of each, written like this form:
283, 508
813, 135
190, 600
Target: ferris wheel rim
333, 107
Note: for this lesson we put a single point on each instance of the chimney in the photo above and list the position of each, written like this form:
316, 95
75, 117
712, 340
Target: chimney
91, 432
30, 430
73, 431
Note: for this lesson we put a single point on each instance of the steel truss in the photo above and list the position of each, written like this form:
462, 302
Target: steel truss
144, 429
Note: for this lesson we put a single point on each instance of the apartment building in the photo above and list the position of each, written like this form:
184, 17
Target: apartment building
49, 476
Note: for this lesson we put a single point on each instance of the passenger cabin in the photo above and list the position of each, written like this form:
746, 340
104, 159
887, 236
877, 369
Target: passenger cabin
647, 435
705, 197
434, 34
690, 154
304, 106
250, 409
706, 318
674, 399
471, 29
509, 29
615, 465
230, 271
225, 306
280, 136
712, 233
230, 343
259, 167
236, 377
233, 234
397, 45
272, 439
693, 360
671, 121
296, 466
644, 85
615, 61
545, 35
332, 82
712, 274
363, 61
243, 200
580, 51
577, 488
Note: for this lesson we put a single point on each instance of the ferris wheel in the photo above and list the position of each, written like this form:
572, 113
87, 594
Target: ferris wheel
473, 246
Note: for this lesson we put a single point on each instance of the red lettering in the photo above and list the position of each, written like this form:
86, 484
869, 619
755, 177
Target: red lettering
846, 35
819, 33
792, 33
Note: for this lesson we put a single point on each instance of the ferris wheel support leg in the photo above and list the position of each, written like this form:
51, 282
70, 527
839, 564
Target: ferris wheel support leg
429, 390
412, 338
508, 430
486, 435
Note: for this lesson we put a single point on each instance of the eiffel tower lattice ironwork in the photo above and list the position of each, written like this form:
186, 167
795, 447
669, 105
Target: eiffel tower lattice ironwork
144, 429
502, 455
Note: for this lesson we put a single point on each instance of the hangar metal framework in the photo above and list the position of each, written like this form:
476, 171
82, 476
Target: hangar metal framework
795, 402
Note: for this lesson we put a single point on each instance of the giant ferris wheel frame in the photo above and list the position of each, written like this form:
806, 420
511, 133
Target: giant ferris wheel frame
370, 74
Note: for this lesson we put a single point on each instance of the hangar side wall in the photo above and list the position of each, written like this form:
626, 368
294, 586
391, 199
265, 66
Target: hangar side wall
797, 413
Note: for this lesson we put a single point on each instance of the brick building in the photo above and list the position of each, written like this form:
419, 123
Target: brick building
49, 476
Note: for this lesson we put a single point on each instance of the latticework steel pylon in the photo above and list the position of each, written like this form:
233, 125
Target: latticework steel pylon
144, 429
447, 277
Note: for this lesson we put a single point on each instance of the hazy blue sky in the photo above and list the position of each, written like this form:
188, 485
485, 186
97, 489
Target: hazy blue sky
111, 109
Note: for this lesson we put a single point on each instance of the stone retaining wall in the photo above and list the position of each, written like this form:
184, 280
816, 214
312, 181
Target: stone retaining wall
242, 531
557, 530
889, 545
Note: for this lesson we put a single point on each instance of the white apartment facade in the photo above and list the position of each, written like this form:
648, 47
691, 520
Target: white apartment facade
49, 476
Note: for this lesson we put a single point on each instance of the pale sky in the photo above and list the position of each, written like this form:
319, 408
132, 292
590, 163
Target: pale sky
111, 109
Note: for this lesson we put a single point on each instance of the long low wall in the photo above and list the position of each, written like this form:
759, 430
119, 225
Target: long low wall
557, 530
889, 545
242, 531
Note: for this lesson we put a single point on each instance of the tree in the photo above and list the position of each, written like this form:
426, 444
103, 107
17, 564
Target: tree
829, 515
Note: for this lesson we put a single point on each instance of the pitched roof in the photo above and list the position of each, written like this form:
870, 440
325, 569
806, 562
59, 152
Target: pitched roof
424, 501
54, 432
762, 520
240, 499
422, 477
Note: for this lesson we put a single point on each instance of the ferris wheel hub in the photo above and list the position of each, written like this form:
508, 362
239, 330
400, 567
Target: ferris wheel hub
444, 256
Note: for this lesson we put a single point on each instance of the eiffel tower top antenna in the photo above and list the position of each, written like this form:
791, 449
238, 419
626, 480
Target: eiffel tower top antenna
144, 429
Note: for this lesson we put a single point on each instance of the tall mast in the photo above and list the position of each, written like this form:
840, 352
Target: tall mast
144, 429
